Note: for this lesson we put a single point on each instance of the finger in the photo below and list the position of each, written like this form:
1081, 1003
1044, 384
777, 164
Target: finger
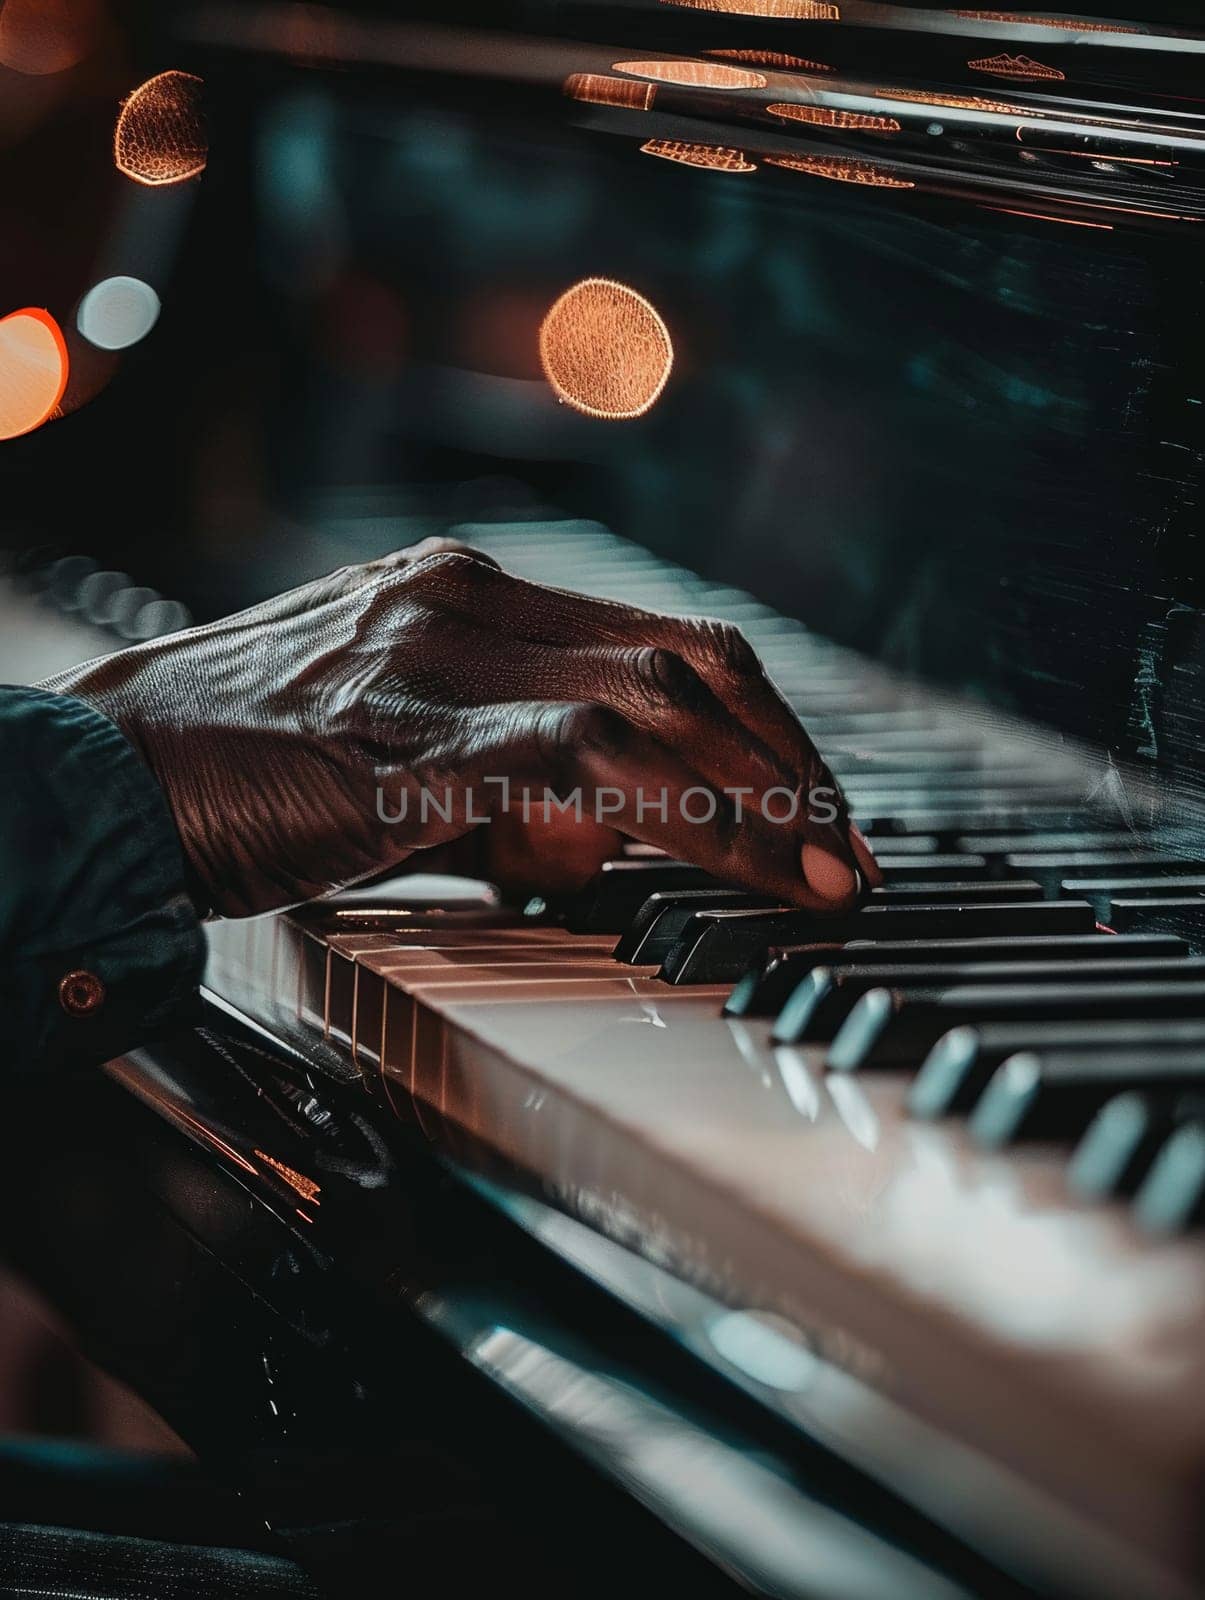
585, 760
718, 654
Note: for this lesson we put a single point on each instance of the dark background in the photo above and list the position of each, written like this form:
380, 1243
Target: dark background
966, 442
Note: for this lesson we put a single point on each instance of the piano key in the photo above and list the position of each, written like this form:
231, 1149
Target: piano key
898, 1027
658, 924
1124, 1138
956, 826
609, 902
1054, 1095
908, 845
949, 811
1001, 844
717, 946
936, 893
819, 1006
1173, 1197
916, 868
1051, 867
1181, 914
769, 983
1102, 891
961, 1063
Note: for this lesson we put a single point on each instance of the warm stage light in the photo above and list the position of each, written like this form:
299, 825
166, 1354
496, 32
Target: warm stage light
33, 371
599, 90
693, 74
160, 135
773, 58
787, 10
605, 350
117, 313
720, 158
831, 117
842, 170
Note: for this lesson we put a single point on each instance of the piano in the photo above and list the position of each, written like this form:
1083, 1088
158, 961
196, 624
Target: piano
657, 1233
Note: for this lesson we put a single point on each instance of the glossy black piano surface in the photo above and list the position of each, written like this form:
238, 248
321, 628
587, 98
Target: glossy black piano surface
936, 396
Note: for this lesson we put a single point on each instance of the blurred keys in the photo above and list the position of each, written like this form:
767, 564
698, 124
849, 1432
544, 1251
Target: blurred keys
819, 1006
1180, 914
1126, 1135
769, 983
898, 1027
1055, 1094
1101, 892
1052, 866
932, 867
1173, 1196
961, 1063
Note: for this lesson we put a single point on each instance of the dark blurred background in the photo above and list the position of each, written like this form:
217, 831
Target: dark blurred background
965, 441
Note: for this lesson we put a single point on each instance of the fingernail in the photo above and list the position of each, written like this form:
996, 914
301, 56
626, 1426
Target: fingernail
864, 856
831, 878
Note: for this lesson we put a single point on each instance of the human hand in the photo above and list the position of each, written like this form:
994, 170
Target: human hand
390, 708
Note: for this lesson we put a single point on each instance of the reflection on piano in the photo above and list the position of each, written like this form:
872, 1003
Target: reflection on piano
855, 1256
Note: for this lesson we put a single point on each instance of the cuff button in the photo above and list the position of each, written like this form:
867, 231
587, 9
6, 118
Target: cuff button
81, 993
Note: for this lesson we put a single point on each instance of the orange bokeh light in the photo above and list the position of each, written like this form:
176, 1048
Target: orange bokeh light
832, 117
599, 90
773, 58
693, 74
842, 170
605, 350
33, 371
160, 134
788, 10
720, 158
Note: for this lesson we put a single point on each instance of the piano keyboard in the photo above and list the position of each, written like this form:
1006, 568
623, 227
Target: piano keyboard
954, 1141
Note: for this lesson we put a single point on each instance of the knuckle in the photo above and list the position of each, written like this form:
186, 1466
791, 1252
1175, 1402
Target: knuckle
445, 545
664, 675
569, 730
451, 569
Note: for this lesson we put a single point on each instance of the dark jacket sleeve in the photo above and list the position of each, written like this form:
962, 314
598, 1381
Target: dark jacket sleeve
100, 947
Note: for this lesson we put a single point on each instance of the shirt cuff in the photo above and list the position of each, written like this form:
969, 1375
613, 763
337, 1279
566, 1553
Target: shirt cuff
102, 945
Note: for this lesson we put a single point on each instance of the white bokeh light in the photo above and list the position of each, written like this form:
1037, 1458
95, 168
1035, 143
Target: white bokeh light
117, 313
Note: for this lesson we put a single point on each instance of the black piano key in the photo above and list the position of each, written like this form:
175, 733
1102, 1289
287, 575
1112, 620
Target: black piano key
1173, 1197
898, 1027
1055, 1094
1124, 1138
819, 1006
1100, 891
770, 982
961, 1063
943, 868
657, 925
717, 946
974, 893
1051, 867
953, 826
1180, 914
609, 902
914, 844
1052, 842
